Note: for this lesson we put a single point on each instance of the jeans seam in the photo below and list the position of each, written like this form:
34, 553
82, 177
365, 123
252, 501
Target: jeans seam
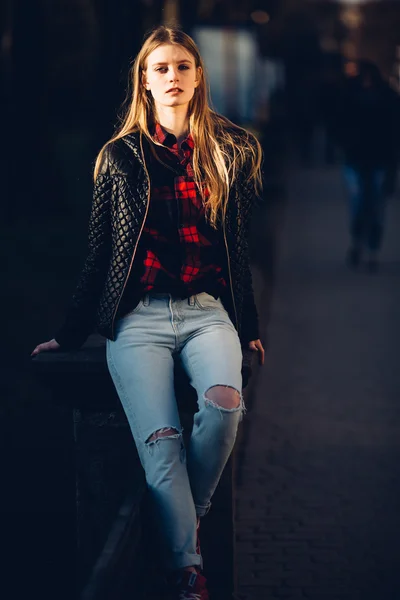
128, 404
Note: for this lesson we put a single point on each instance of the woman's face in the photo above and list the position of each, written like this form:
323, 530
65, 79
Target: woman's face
171, 76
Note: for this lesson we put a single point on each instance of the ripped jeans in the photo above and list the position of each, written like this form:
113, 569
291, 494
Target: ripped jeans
181, 481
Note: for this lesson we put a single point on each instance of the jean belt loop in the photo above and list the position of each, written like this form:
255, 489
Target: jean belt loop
146, 300
192, 300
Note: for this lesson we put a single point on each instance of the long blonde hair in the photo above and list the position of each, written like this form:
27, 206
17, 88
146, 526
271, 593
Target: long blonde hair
221, 149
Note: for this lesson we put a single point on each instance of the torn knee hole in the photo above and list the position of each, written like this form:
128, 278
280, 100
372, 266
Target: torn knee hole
223, 396
163, 433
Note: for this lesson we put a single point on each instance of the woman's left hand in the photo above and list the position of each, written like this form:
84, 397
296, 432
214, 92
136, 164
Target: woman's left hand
256, 346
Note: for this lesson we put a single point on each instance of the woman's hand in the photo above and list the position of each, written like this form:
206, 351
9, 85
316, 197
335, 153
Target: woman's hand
46, 347
256, 346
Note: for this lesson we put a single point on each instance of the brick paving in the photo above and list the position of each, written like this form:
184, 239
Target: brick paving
318, 488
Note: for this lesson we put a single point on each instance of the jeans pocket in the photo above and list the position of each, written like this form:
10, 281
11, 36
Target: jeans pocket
205, 301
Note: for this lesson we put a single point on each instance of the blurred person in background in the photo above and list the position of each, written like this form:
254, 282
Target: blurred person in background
168, 278
368, 132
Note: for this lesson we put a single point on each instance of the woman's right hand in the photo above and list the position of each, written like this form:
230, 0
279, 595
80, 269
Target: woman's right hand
46, 347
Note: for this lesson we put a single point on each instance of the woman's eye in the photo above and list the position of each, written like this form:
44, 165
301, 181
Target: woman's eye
165, 69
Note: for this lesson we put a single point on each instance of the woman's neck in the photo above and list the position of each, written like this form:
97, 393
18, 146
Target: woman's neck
175, 122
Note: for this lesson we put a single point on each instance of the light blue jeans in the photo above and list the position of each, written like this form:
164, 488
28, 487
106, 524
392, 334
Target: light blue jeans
181, 481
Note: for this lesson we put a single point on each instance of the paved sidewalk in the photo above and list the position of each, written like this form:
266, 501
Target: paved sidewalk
318, 498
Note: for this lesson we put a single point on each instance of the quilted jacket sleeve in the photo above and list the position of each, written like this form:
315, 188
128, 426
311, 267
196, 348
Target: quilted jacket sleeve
80, 318
250, 324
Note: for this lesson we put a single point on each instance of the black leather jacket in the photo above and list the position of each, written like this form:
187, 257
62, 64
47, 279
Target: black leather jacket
120, 203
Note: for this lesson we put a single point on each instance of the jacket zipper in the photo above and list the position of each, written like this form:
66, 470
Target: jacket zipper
137, 241
230, 274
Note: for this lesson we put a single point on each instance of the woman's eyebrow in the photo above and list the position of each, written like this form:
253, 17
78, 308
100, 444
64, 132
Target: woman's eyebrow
186, 60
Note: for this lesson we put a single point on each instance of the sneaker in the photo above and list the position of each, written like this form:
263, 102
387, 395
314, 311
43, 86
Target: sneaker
191, 586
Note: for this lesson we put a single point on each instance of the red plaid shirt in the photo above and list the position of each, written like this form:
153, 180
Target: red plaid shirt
180, 252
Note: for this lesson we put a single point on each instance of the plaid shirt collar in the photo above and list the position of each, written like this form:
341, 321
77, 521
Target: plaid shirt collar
169, 140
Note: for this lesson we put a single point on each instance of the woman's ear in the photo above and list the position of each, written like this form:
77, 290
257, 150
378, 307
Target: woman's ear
144, 82
198, 76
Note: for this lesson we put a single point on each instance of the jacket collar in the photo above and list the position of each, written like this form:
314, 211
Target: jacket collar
169, 140
135, 141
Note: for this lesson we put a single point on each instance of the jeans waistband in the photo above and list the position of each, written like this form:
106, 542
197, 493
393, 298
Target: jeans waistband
165, 296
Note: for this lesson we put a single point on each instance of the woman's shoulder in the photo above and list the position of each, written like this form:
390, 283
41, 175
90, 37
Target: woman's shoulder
120, 154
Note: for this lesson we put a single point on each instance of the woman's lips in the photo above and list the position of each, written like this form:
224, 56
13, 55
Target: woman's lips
174, 91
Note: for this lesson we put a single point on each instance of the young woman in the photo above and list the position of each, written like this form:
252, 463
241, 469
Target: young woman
167, 278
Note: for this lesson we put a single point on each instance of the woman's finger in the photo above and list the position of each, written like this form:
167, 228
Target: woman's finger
45, 347
38, 349
257, 346
262, 353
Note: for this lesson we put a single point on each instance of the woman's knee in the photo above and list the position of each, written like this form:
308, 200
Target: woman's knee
223, 396
166, 445
165, 432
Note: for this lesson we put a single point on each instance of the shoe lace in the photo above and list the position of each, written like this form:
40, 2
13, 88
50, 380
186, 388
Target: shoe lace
185, 595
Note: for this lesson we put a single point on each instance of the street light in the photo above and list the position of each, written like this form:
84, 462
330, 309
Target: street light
260, 17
